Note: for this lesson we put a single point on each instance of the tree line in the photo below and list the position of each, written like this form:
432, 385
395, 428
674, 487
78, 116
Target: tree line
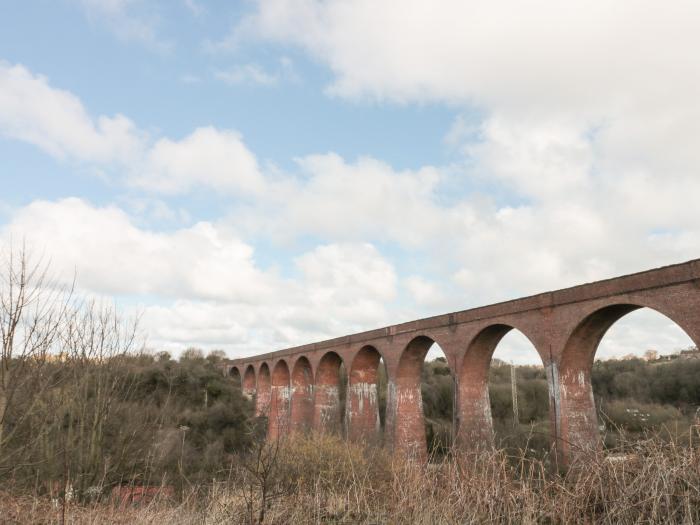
634, 397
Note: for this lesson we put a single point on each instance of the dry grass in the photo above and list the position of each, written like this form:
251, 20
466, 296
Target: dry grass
324, 480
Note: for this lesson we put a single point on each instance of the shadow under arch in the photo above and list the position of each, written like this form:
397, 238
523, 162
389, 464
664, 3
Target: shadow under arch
235, 374
327, 395
263, 391
405, 418
249, 382
302, 396
576, 419
474, 421
362, 417
278, 423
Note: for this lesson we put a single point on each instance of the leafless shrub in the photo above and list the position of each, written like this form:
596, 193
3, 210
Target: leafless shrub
33, 312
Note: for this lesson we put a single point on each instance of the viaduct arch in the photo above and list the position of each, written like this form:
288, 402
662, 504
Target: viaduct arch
297, 388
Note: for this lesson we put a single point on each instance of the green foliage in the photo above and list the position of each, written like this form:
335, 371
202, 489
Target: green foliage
130, 419
674, 382
634, 396
437, 390
633, 416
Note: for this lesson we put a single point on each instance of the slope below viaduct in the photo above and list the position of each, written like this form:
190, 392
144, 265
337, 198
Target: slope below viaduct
298, 388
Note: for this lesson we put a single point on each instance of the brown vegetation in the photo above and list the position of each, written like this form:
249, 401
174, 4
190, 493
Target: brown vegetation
321, 479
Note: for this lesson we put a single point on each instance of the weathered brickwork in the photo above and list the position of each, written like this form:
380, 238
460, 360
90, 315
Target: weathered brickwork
278, 416
362, 397
564, 326
302, 400
249, 382
327, 416
263, 391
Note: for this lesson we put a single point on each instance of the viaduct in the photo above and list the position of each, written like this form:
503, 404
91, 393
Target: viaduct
298, 388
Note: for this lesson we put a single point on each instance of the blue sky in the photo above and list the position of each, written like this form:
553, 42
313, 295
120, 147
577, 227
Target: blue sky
254, 175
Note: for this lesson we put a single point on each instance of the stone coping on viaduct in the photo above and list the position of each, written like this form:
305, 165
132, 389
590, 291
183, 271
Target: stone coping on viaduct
640, 281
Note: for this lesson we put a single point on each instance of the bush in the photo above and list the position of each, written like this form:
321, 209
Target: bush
639, 417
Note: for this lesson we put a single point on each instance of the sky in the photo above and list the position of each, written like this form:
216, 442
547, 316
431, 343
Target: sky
253, 175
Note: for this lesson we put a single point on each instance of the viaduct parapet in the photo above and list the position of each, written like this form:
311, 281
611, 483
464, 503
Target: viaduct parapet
298, 388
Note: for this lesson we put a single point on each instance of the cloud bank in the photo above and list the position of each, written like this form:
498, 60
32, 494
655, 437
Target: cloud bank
582, 164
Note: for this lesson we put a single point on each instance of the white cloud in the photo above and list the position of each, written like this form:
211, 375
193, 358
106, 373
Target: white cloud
206, 157
257, 75
113, 256
247, 74
149, 210
343, 273
341, 288
353, 201
545, 54
427, 294
201, 284
56, 121
542, 160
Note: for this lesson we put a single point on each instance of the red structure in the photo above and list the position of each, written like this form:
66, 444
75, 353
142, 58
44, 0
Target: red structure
128, 495
564, 326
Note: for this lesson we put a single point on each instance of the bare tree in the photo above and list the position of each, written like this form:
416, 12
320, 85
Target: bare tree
97, 344
33, 312
259, 476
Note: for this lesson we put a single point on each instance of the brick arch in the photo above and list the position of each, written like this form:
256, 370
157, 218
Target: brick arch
263, 390
235, 373
576, 424
584, 336
278, 422
302, 396
405, 422
327, 415
362, 406
474, 421
249, 382
449, 342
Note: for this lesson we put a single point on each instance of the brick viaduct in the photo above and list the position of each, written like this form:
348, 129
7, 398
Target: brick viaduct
298, 388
